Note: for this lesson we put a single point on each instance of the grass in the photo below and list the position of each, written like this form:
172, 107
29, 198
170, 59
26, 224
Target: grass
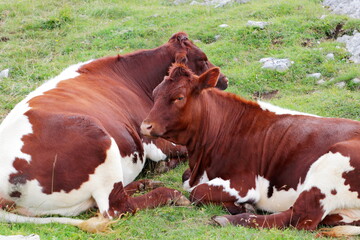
40, 38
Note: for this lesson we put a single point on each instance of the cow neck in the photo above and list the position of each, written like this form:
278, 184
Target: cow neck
222, 124
145, 69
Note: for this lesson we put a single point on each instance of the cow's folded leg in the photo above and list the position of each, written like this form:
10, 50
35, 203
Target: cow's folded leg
306, 214
120, 202
277, 220
209, 194
159, 197
142, 185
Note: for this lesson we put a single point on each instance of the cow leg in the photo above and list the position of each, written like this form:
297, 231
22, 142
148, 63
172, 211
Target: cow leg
142, 185
305, 214
120, 202
208, 194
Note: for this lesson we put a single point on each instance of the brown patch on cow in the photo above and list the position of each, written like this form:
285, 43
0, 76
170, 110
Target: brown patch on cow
15, 194
58, 145
333, 192
332, 220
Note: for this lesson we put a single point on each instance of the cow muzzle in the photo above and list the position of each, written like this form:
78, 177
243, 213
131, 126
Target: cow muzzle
147, 129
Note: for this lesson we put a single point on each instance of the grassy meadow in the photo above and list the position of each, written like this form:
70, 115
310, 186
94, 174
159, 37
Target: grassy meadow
38, 39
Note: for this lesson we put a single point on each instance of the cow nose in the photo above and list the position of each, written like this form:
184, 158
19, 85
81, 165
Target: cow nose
146, 128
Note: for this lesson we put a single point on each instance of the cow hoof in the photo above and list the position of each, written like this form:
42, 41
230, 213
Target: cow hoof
182, 201
150, 185
220, 221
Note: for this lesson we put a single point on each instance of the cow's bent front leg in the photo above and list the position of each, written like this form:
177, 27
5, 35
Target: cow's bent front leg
208, 194
120, 202
142, 185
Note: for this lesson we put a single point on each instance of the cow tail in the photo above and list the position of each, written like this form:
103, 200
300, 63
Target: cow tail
340, 231
92, 225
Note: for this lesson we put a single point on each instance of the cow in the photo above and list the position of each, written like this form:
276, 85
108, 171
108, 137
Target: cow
75, 142
302, 168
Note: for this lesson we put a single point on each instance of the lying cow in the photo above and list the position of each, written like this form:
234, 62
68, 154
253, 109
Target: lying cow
303, 168
75, 142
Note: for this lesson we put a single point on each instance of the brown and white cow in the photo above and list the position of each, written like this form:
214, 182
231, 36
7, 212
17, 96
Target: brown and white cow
75, 142
303, 168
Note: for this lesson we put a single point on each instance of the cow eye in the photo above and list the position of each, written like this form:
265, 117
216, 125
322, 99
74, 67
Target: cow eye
180, 98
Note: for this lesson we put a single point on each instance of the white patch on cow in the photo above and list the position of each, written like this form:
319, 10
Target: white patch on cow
280, 200
348, 215
98, 188
326, 175
152, 152
130, 169
16, 125
203, 179
281, 111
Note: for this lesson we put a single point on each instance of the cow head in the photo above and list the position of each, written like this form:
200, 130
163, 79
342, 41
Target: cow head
177, 106
186, 52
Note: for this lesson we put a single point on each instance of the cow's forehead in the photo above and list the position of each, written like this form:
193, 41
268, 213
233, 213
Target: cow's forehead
172, 85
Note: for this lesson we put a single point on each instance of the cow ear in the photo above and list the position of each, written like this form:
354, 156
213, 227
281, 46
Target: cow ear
209, 78
181, 58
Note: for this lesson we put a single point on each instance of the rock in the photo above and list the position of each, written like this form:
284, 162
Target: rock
340, 84
347, 7
4, 73
314, 75
352, 45
356, 80
279, 65
215, 3
330, 56
257, 24
217, 37
223, 25
178, 2
321, 81
20, 237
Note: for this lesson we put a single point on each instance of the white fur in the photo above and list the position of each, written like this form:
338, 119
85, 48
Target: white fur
153, 152
281, 111
130, 169
326, 174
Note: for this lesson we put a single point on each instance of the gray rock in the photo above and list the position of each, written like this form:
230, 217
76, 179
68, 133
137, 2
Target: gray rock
20, 237
356, 80
215, 3
347, 7
4, 73
257, 24
330, 56
321, 81
217, 37
178, 2
223, 25
279, 65
314, 75
352, 45
340, 84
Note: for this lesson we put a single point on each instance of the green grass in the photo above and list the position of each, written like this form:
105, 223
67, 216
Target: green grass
40, 38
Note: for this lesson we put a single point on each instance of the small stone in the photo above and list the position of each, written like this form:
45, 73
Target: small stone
279, 65
4, 73
340, 84
330, 56
224, 25
217, 37
257, 24
194, 3
356, 80
321, 81
314, 75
